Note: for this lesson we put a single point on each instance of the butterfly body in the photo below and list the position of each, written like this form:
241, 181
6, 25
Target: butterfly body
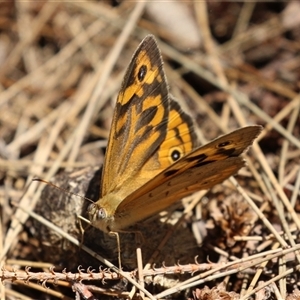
152, 159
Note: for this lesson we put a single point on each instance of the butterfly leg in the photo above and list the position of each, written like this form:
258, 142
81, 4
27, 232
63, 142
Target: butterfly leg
116, 234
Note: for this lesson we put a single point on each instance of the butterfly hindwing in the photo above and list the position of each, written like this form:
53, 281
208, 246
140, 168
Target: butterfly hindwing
201, 169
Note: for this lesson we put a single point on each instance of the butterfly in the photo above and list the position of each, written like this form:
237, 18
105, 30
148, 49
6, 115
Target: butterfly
152, 159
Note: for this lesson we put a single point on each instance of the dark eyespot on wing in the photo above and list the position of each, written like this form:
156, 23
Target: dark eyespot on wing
199, 157
142, 73
224, 144
170, 173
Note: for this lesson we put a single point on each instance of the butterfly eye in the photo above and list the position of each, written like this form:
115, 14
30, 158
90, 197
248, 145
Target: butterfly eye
95, 212
142, 73
175, 154
101, 214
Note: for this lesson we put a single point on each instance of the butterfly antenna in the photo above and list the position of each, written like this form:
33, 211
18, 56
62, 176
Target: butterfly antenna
61, 189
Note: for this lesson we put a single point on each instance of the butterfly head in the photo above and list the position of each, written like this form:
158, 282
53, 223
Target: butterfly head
98, 217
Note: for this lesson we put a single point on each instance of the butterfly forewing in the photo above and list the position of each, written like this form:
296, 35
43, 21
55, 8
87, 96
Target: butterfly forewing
140, 117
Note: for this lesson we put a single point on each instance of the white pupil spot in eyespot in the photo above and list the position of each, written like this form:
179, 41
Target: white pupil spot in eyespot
175, 154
